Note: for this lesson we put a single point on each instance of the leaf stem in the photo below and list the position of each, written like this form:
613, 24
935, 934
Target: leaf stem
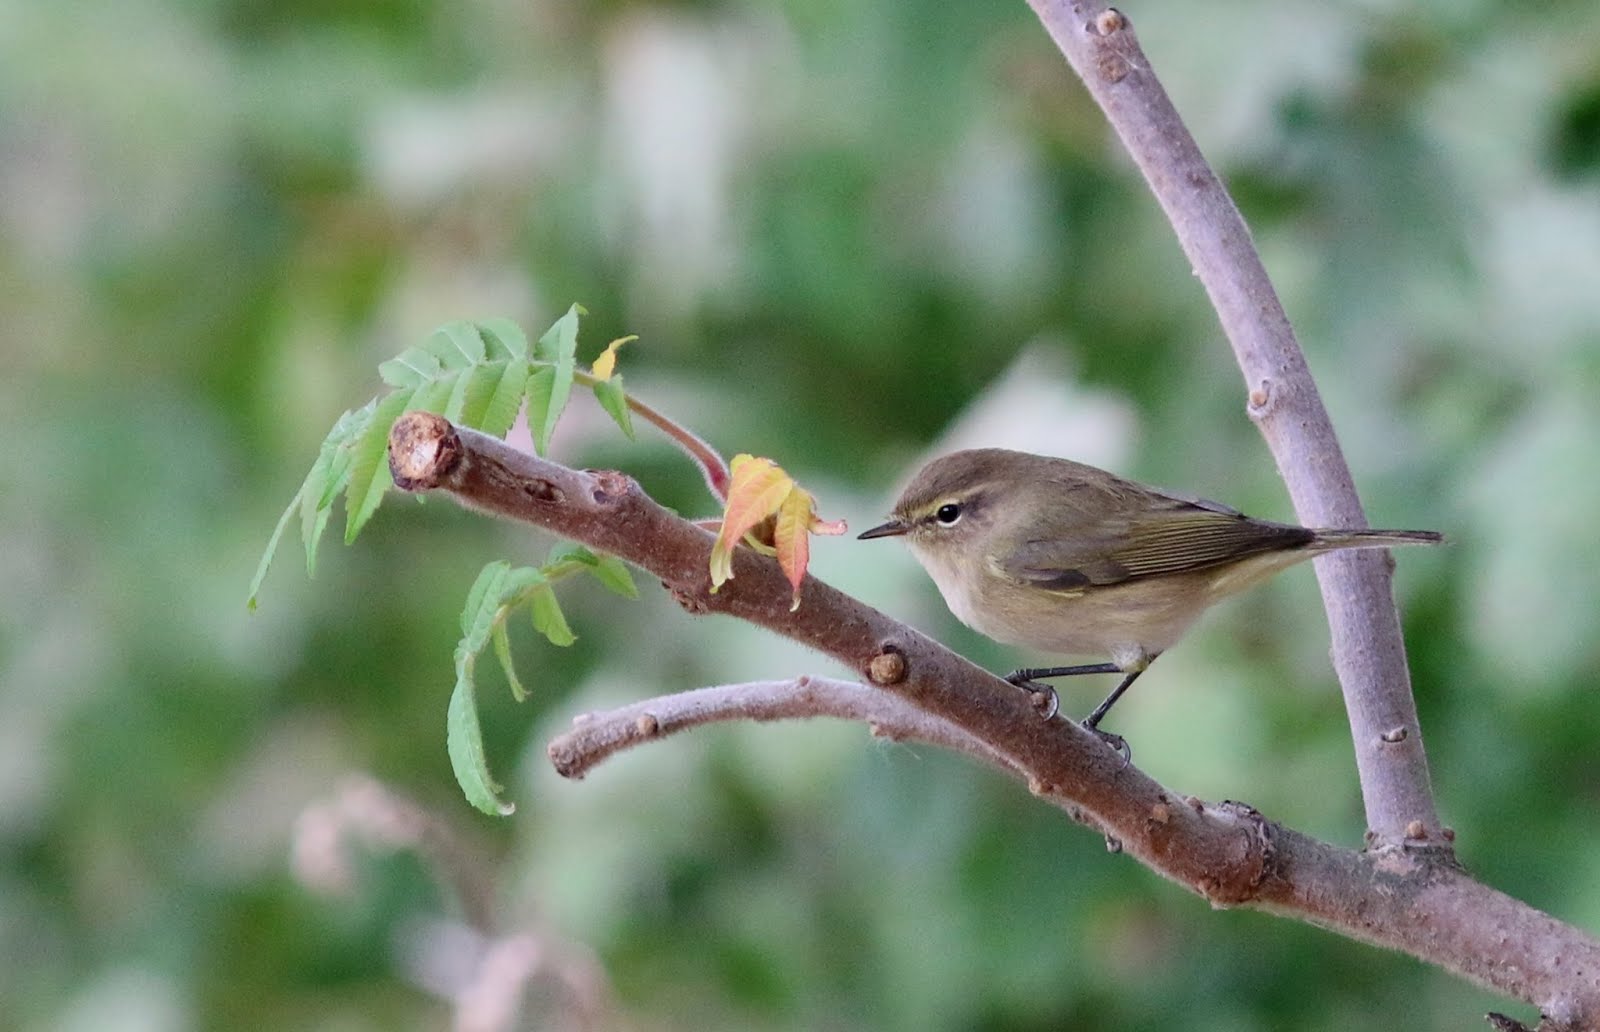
712, 466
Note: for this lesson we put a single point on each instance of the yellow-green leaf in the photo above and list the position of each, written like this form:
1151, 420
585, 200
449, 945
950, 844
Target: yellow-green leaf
606, 364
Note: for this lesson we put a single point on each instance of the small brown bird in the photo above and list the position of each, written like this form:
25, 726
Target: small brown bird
1067, 558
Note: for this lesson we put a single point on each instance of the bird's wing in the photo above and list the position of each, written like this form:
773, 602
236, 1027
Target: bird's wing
1184, 537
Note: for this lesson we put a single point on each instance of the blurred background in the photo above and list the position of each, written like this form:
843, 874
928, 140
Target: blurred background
847, 234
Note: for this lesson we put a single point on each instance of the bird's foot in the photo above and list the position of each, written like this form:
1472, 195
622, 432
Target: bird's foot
1045, 699
1118, 744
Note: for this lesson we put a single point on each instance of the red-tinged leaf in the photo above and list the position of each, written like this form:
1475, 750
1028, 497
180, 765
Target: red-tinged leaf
796, 521
757, 489
829, 528
789, 535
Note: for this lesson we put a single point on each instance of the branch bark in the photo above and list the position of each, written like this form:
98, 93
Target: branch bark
1357, 591
1228, 853
596, 737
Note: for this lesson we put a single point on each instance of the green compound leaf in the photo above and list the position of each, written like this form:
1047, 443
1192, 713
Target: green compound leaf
464, 741
458, 345
548, 619
541, 391
614, 574
611, 398
558, 347
411, 368
504, 339
315, 498
464, 736
506, 381
607, 569
369, 467
329, 475
502, 651
498, 589
483, 598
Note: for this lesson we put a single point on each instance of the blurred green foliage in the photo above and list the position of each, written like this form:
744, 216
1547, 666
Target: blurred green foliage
833, 226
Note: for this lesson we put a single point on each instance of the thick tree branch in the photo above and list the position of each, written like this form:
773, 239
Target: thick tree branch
1227, 853
1368, 652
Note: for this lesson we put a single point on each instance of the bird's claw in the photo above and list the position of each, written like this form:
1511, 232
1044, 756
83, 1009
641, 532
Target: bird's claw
1045, 699
1118, 744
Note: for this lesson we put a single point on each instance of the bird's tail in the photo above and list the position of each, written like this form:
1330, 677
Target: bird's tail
1329, 540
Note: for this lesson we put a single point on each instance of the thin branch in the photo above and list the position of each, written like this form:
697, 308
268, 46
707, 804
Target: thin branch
1227, 853
1368, 651
711, 464
596, 737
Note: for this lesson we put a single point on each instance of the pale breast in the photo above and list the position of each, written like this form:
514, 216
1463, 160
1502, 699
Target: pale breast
1119, 621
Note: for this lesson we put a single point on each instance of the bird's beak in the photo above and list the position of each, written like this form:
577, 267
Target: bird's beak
894, 528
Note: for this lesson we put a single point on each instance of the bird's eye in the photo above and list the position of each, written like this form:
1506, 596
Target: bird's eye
948, 513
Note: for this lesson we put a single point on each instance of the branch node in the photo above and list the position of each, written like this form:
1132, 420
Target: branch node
647, 725
609, 485
1394, 735
1416, 830
1257, 862
1110, 21
1260, 401
1112, 67
1114, 845
423, 450
693, 602
888, 666
1112, 64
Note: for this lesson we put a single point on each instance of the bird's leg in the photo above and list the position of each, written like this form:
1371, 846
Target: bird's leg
1045, 699
1092, 721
